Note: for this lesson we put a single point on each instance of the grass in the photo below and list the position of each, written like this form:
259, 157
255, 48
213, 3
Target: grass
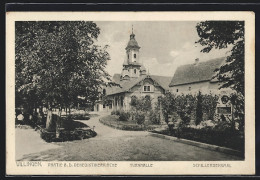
113, 121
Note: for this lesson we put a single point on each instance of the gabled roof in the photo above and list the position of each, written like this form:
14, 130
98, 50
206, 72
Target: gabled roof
116, 78
127, 85
164, 81
191, 73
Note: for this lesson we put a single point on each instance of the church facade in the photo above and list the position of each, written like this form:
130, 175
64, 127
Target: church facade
134, 81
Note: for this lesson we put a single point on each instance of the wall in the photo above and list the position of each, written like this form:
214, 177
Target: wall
202, 86
131, 53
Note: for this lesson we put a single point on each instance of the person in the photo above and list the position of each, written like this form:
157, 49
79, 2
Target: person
20, 117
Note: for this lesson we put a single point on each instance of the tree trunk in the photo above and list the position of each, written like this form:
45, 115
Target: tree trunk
49, 120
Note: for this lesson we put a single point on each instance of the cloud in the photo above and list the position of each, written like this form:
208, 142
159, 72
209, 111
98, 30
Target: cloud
156, 68
187, 45
174, 54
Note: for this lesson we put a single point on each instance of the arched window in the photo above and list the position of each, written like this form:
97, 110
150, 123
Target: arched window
133, 101
135, 71
104, 91
134, 55
177, 90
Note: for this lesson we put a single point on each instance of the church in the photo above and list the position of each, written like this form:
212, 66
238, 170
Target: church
134, 81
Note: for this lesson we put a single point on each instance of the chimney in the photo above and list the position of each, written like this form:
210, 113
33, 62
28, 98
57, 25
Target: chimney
197, 61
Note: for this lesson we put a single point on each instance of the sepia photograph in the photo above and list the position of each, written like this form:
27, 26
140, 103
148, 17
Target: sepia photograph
94, 93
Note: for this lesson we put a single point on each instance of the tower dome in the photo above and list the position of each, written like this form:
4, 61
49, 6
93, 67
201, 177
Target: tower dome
132, 43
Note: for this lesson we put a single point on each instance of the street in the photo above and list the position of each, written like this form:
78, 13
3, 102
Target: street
117, 145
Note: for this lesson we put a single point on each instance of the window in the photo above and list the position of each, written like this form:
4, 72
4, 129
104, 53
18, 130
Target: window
177, 90
135, 71
104, 91
104, 106
134, 55
189, 88
127, 56
147, 88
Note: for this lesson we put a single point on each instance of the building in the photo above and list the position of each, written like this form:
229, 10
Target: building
199, 76
134, 81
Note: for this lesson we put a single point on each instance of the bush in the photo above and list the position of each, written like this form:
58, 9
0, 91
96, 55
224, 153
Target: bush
140, 118
199, 112
124, 116
154, 117
48, 136
78, 117
217, 136
67, 135
115, 112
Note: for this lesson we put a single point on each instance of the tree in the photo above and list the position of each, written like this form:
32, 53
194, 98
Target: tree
167, 104
199, 113
219, 35
56, 62
209, 104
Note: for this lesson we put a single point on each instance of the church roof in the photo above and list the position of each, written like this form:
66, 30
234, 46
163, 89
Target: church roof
132, 42
191, 73
163, 81
116, 78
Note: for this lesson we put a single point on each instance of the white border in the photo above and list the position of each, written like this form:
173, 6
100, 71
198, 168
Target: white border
123, 168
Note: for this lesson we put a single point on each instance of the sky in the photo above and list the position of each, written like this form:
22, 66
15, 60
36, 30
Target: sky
164, 45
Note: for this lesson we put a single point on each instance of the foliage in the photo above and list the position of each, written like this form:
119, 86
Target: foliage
134, 101
143, 104
67, 135
124, 116
79, 116
209, 104
167, 104
57, 62
115, 112
185, 105
199, 113
140, 117
112, 121
238, 101
154, 117
220, 34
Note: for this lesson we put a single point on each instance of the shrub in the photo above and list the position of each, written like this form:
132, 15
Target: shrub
67, 135
154, 117
123, 116
48, 136
115, 112
209, 103
140, 118
199, 112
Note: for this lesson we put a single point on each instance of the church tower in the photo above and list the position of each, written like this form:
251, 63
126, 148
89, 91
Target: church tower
132, 67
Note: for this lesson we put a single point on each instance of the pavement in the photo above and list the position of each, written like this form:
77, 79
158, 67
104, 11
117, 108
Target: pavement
117, 145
